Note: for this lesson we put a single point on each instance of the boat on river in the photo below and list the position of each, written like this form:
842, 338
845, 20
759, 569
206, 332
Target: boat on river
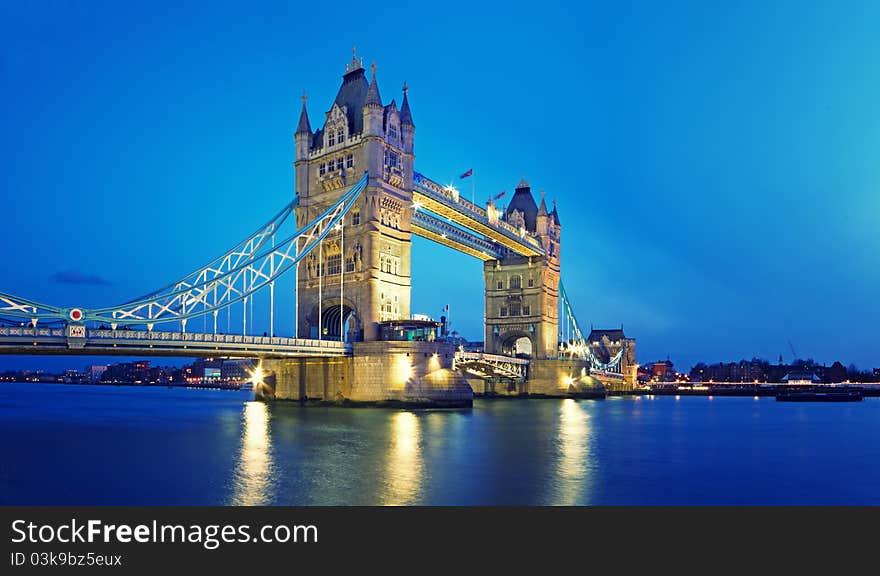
814, 396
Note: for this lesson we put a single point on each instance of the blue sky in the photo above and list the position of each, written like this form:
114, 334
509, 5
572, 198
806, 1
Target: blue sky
715, 164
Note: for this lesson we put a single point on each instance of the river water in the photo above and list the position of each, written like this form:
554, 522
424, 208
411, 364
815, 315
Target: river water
73, 444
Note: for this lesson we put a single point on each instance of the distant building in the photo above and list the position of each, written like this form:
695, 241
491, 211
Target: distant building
835, 374
93, 373
801, 378
663, 371
237, 370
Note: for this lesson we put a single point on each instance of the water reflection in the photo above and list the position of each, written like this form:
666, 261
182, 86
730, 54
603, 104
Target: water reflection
573, 464
251, 484
405, 467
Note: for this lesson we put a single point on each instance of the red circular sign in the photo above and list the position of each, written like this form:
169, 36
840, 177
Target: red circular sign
76, 314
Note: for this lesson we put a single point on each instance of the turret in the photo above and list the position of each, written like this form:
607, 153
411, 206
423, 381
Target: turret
541, 220
407, 128
373, 110
303, 135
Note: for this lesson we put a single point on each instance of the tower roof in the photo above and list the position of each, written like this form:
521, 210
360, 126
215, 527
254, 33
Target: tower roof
405, 115
352, 95
524, 202
303, 126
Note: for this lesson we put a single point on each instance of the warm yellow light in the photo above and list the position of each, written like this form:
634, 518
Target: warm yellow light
434, 362
403, 370
417, 205
257, 375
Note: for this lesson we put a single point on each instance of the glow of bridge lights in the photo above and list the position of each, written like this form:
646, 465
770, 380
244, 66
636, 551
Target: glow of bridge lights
405, 465
257, 375
402, 370
417, 205
434, 362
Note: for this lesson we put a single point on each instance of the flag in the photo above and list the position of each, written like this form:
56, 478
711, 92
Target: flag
470, 172
497, 196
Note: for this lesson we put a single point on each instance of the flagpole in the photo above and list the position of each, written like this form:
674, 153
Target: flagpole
473, 187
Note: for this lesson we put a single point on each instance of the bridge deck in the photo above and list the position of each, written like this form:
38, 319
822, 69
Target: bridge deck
28, 340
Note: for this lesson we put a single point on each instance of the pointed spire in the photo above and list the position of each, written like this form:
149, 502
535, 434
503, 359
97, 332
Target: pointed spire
373, 98
304, 126
405, 115
522, 183
542, 209
555, 214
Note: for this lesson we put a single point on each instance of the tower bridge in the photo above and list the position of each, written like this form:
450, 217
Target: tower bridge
348, 250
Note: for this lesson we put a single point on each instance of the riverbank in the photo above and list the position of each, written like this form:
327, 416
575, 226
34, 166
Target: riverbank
736, 389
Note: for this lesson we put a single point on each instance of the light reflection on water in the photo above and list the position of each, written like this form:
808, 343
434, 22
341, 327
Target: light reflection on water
202, 447
404, 468
573, 464
254, 466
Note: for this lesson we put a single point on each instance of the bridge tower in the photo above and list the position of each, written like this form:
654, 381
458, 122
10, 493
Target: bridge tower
522, 292
359, 134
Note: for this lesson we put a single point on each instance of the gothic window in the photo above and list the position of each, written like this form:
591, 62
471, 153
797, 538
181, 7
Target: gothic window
531, 282
356, 217
392, 159
393, 132
323, 169
503, 311
349, 160
500, 284
339, 163
527, 310
388, 307
349, 264
516, 281
334, 264
389, 264
515, 309
331, 138
340, 135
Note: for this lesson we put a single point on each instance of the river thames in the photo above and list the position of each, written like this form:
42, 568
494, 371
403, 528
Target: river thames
72, 444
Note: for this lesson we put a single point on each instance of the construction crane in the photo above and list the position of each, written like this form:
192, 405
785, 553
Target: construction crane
793, 353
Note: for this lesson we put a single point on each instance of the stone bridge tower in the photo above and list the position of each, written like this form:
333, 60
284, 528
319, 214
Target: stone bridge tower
522, 293
359, 134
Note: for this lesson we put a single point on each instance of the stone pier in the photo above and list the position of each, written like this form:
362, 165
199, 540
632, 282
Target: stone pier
416, 374
547, 378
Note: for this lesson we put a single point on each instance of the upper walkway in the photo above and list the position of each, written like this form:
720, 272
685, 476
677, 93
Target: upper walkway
473, 220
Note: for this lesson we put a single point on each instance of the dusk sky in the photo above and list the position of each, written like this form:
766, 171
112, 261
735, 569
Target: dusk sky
715, 164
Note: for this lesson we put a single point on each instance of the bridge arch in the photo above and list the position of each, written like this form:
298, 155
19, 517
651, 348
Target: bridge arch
517, 343
331, 312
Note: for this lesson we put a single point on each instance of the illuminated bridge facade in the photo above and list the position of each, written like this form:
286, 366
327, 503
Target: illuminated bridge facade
345, 240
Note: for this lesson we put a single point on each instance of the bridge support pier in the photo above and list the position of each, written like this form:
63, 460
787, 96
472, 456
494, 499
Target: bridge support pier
416, 374
565, 378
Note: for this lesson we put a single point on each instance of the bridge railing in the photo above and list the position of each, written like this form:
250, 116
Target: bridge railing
491, 358
30, 332
101, 334
214, 338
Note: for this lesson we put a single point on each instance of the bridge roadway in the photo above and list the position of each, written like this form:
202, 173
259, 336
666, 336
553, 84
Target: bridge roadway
29, 340
46, 340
